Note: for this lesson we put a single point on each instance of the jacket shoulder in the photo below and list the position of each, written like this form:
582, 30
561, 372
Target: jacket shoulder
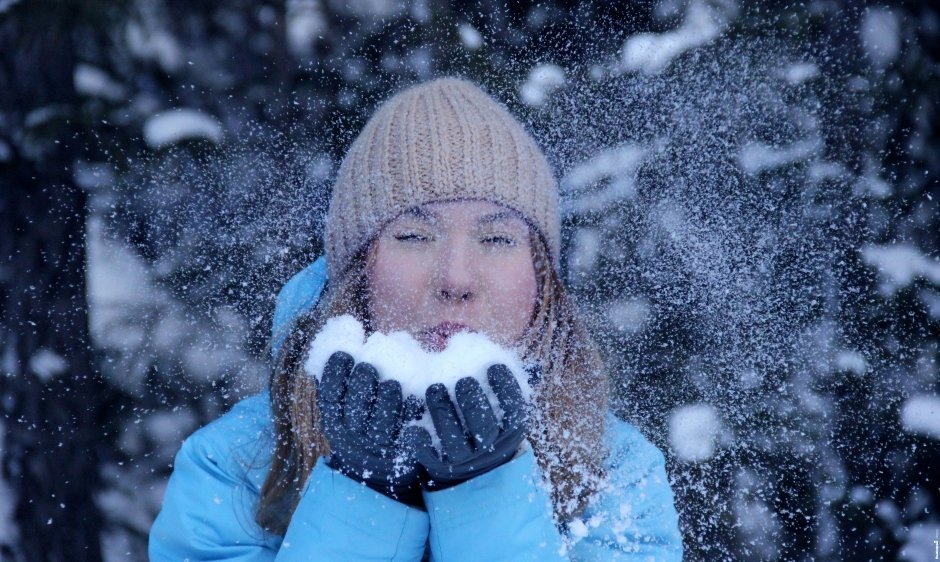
239, 443
250, 416
629, 451
623, 435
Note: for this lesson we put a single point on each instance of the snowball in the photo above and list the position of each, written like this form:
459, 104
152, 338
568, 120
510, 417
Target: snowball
398, 356
693, 430
176, 125
921, 415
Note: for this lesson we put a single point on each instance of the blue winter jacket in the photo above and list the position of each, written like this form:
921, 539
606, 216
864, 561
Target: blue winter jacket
505, 514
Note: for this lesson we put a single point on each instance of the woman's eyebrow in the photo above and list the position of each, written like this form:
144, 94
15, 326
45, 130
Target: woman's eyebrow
421, 214
497, 216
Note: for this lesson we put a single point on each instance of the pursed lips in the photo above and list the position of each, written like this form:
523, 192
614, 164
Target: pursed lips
436, 337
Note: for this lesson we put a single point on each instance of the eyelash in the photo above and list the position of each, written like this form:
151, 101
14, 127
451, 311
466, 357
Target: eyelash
495, 240
411, 237
500, 240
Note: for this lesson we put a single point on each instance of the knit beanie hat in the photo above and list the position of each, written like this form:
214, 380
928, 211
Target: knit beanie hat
438, 141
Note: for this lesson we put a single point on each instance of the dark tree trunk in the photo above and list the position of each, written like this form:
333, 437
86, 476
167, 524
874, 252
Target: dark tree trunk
50, 394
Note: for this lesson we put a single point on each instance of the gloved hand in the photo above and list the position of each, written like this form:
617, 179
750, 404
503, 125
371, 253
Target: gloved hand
362, 420
480, 446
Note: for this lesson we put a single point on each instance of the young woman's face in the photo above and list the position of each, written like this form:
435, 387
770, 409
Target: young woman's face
451, 266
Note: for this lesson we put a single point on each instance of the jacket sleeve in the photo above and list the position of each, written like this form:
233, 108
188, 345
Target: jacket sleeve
506, 514
634, 518
208, 514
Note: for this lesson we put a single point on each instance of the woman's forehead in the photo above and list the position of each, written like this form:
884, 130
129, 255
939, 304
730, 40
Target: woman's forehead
472, 210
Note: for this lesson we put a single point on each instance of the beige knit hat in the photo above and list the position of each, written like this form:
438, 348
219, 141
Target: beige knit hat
441, 140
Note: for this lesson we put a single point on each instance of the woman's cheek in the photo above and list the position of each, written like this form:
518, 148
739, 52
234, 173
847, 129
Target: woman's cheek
397, 281
512, 297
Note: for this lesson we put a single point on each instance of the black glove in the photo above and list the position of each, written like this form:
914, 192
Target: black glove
480, 446
362, 420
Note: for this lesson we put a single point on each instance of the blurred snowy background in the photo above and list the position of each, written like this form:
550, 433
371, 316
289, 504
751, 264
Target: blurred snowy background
751, 226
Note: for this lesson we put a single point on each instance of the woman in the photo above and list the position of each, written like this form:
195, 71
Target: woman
444, 217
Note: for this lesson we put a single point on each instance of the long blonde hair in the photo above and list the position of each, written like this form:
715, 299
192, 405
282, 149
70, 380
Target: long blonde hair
567, 421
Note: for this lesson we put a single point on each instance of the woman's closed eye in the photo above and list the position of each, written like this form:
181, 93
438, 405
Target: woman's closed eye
411, 237
498, 240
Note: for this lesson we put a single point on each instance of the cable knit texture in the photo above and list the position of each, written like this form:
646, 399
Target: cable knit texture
438, 141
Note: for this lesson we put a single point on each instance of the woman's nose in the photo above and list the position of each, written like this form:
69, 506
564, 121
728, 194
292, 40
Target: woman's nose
457, 278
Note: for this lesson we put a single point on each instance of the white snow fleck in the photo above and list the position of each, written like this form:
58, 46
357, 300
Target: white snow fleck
92, 175
577, 528
824, 170
800, 72
880, 35
374, 9
47, 364
920, 414
870, 183
693, 430
469, 36
899, 265
754, 518
42, 115
851, 361
617, 165
652, 52
398, 356
757, 157
8, 530
154, 44
9, 366
541, 82
134, 513
932, 300
586, 245
118, 284
305, 25
93, 82
861, 495
629, 315
4, 6
180, 124
170, 427
750, 378
921, 544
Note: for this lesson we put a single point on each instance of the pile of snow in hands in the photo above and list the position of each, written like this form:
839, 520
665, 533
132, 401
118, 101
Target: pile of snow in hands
398, 356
